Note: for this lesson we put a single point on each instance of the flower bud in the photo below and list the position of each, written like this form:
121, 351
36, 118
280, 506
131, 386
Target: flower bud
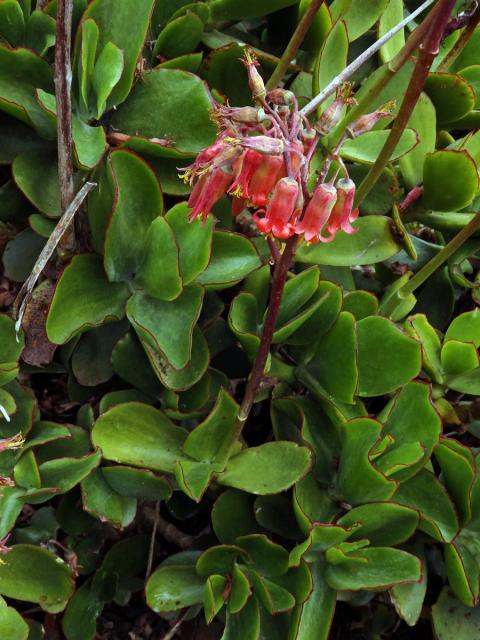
332, 114
367, 122
281, 96
280, 213
247, 115
263, 144
255, 82
317, 214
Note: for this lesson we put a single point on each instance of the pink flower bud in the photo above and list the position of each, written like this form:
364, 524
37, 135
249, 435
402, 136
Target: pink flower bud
317, 214
262, 144
244, 169
343, 213
279, 216
248, 115
332, 114
281, 96
208, 190
255, 82
264, 180
367, 122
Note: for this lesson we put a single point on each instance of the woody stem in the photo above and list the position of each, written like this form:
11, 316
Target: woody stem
278, 284
294, 44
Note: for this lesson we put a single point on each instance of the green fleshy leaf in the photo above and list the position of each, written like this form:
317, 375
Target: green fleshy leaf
458, 170
157, 106
233, 258
173, 337
174, 587
36, 575
106, 74
451, 95
365, 148
156, 445
101, 501
84, 298
451, 619
286, 462
385, 524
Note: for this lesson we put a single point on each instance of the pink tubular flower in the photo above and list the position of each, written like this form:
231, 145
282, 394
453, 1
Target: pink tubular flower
262, 144
247, 165
280, 214
264, 179
317, 214
368, 121
343, 214
208, 190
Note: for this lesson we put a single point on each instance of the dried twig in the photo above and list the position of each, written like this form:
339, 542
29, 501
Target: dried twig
173, 631
63, 82
168, 530
152, 540
26, 291
357, 63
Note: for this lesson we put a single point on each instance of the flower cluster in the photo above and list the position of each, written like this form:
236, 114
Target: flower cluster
262, 158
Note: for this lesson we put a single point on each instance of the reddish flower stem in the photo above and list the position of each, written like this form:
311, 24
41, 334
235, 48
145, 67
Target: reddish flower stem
278, 284
428, 51
411, 197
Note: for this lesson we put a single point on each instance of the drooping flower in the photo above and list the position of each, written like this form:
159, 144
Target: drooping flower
332, 114
208, 190
343, 213
281, 210
245, 168
264, 180
262, 144
317, 214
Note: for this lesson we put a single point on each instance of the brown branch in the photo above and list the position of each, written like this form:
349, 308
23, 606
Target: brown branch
63, 81
294, 44
168, 530
428, 51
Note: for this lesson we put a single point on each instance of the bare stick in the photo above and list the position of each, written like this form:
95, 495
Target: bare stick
26, 291
294, 44
428, 52
173, 631
63, 82
152, 540
357, 63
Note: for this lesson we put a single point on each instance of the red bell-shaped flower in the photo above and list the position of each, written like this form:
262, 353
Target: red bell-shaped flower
343, 213
264, 180
280, 214
210, 188
317, 214
245, 168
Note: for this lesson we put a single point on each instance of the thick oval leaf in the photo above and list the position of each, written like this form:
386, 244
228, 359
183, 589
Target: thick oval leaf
173, 336
137, 434
102, 502
425, 493
230, 9
385, 524
179, 37
157, 108
36, 175
423, 121
159, 273
174, 587
194, 240
21, 73
387, 358
269, 468
359, 18
115, 25
458, 170
36, 575
138, 201
106, 74
453, 620
365, 148
233, 257
372, 243
12, 625
381, 569
84, 298
451, 95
